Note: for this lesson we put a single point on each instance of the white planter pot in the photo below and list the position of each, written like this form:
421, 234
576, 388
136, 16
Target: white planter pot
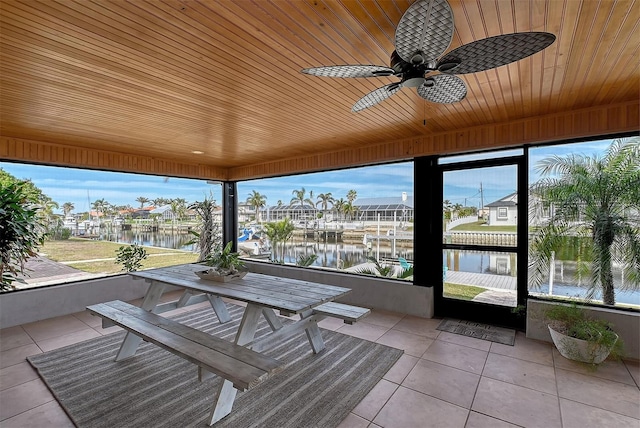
578, 349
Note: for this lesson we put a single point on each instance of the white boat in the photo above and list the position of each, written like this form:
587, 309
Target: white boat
70, 222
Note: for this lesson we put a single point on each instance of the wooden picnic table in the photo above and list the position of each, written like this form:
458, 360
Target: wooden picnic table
264, 294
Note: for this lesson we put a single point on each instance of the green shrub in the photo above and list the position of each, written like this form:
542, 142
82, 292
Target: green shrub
130, 257
22, 231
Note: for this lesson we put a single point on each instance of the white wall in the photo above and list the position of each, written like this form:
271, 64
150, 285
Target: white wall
34, 304
626, 324
367, 291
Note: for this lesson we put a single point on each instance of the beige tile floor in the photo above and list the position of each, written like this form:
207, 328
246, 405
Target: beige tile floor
442, 380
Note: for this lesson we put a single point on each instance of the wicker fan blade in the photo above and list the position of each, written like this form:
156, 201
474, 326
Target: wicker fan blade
374, 97
350, 71
493, 52
424, 31
443, 88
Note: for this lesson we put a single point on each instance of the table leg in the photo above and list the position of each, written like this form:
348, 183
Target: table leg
249, 324
223, 405
227, 393
184, 299
313, 333
219, 308
272, 318
131, 341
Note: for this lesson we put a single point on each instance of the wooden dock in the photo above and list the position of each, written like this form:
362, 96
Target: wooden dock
485, 280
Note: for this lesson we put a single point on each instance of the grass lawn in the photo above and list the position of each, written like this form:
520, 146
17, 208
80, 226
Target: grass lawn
460, 291
109, 266
78, 249
480, 226
87, 249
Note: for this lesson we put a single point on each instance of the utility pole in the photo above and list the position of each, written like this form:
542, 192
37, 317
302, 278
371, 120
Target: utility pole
481, 200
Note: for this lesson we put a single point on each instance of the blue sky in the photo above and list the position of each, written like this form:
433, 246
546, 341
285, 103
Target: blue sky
77, 186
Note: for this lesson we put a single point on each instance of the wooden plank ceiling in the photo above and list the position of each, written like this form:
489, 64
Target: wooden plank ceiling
166, 78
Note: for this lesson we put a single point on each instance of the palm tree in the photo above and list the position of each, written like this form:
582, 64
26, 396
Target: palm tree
279, 233
257, 201
349, 210
389, 271
159, 202
100, 206
351, 196
298, 197
143, 201
596, 199
67, 207
209, 236
178, 208
324, 199
310, 200
338, 206
45, 206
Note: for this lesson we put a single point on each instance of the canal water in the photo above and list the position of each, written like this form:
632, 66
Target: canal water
332, 254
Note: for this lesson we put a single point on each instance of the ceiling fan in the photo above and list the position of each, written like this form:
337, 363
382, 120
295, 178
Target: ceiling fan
423, 34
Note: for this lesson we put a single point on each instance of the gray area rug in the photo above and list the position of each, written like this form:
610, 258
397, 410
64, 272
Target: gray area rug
157, 388
492, 333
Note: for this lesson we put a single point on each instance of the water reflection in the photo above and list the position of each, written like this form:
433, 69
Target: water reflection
177, 241
331, 254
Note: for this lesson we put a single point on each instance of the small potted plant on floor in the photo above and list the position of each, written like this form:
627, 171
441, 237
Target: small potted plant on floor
581, 338
224, 265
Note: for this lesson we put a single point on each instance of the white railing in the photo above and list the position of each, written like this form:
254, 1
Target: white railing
461, 220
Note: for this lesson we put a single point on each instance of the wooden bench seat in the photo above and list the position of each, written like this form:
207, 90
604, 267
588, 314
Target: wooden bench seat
349, 314
242, 367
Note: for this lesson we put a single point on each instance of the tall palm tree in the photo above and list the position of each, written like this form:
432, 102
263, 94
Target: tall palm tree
67, 207
298, 197
159, 202
100, 206
596, 199
324, 199
178, 208
351, 196
349, 210
142, 200
310, 200
257, 201
338, 206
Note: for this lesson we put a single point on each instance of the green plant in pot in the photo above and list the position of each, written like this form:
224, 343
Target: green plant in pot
225, 265
580, 337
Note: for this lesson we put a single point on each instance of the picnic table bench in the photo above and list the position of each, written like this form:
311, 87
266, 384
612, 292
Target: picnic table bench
240, 364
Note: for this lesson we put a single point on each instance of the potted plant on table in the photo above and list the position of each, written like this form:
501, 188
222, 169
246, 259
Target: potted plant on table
581, 338
224, 265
